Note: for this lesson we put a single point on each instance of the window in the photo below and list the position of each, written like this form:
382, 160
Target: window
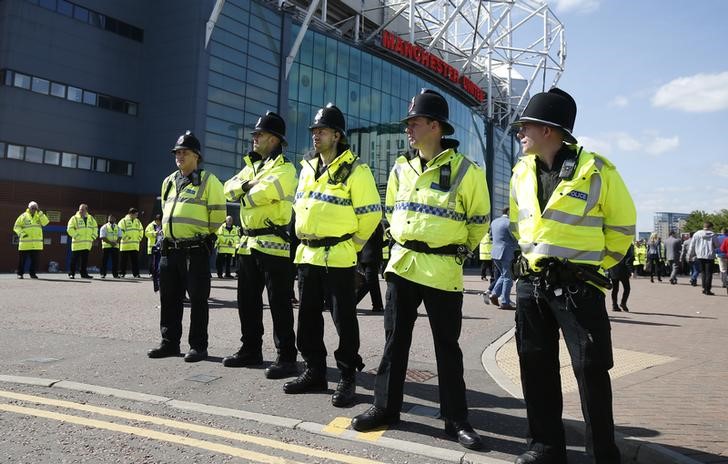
75, 94
100, 165
65, 8
89, 98
69, 160
22, 81
52, 157
15, 152
80, 13
131, 108
33, 155
58, 90
8, 80
118, 167
40, 85
2, 149
97, 19
84, 162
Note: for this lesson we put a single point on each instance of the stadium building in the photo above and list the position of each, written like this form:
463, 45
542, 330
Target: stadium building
93, 94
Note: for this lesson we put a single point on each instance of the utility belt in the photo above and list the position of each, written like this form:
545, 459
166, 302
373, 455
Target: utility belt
559, 273
272, 229
186, 244
326, 241
459, 251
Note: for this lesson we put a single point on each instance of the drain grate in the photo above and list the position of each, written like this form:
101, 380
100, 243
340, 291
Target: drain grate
203, 378
413, 375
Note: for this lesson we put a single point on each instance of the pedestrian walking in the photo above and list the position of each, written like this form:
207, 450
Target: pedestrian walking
337, 208
29, 229
620, 274
131, 235
265, 188
370, 258
572, 214
110, 235
193, 205
655, 257
228, 236
438, 209
505, 247
673, 248
703, 246
83, 230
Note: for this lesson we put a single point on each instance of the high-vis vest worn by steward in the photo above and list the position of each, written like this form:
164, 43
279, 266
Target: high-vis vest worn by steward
266, 205
112, 234
150, 234
227, 240
344, 200
589, 219
195, 212
29, 229
131, 233
82, 233
640, 255
420, 208
486, 248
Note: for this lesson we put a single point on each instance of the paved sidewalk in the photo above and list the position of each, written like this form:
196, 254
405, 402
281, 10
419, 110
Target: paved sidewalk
670, 378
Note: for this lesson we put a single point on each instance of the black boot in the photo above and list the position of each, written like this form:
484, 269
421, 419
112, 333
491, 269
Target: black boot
281, 369
464, 433
312, 380
345, 393
536, 457
373, 418
164, 351
243, 358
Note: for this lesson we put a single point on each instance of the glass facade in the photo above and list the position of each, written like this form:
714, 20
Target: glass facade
373, 93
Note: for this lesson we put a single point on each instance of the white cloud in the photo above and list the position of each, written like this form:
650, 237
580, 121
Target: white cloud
649, 142
620, 101
701, 93
581, 6
721, 169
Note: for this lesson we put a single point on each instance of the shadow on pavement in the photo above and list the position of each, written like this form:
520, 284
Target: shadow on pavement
629, 321
673, 315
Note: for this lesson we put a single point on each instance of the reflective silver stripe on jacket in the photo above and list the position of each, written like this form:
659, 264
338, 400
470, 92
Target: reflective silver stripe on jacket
562, 252
615, 256
184, 220
625, 230
572, 219
462, 169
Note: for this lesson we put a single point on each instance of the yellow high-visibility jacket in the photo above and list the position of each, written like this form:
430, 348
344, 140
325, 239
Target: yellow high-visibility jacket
486, 247
327, 207
195, 212
227, 239
640, 255
112, 234
131, 233
82, 233
29, 229
418, 209
151, 235
589, 219
269, 201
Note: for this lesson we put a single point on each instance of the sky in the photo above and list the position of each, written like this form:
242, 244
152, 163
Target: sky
650, 78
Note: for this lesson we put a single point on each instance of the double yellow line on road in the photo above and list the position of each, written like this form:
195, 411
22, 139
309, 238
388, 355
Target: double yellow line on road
167, 437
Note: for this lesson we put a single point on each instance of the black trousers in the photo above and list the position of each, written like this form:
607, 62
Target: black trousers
444, 311
336, 285
222, 261
256, 272
370, 285
179, 272
582, 317
706, 269
112, 253
132, 255
32, 255
655, 265
79, 258
615, 290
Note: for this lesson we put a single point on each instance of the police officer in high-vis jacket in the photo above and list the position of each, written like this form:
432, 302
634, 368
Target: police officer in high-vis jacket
438, 208
29, 229
572, 215
264, 188
193, 207
337, 207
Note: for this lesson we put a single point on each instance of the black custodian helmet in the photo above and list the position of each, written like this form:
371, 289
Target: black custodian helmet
188, 141
332, 117
554, 108
272, 123
432, 105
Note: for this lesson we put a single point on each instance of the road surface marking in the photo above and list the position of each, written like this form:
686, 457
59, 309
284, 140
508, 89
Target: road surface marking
338, 425
311, 452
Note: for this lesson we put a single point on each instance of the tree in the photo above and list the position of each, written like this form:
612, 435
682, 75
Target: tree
696, 219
